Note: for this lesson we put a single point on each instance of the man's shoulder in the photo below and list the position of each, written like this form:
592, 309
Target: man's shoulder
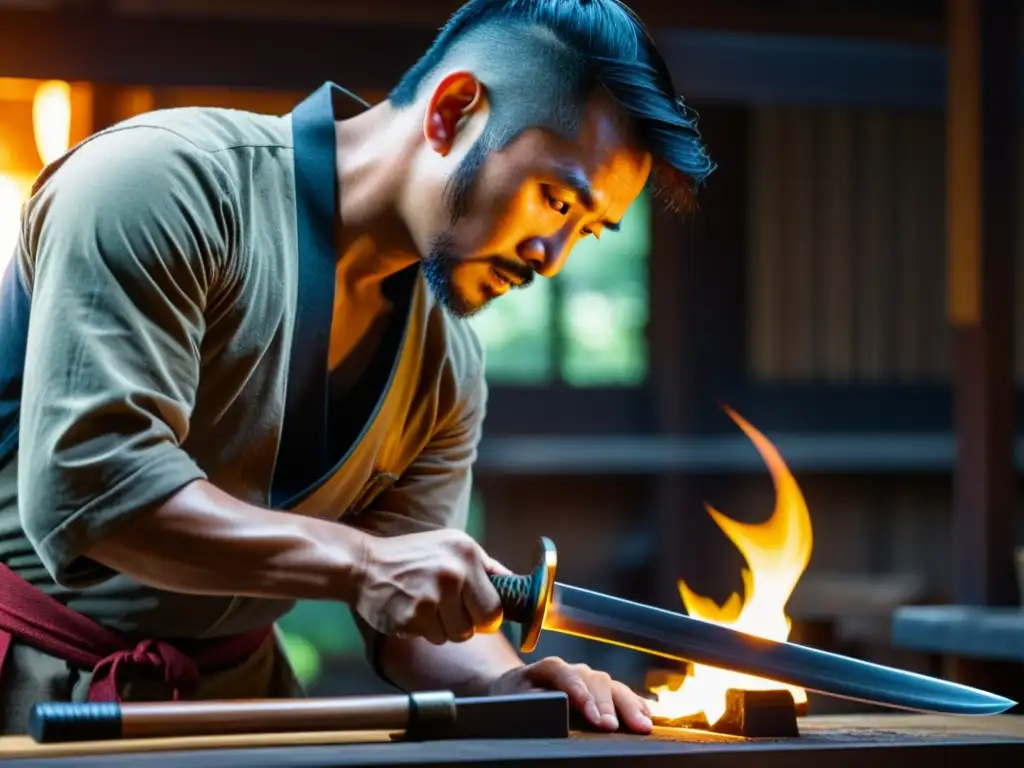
165, 171
156, 150
162, 153
162, 160
211, 129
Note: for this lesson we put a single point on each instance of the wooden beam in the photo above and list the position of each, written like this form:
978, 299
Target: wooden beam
188, 50
809, 408
517, 410
873, 19
840, 453
981, 241
805, 70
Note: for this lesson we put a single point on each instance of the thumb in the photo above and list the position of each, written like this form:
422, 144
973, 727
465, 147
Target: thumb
495, 568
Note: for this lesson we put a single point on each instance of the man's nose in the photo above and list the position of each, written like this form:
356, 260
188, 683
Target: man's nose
544, 256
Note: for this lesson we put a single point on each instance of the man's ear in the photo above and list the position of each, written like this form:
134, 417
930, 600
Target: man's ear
458, 95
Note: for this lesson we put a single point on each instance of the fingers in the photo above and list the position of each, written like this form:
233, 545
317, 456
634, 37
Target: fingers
600, 686
456, 621
556, 674
468, 600
428, 625
493, 566
480, 598
602, 701
633, 709
645, 704
434, 585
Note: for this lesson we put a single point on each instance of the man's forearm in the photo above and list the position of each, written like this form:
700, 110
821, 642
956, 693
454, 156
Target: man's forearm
466, 668
204, 541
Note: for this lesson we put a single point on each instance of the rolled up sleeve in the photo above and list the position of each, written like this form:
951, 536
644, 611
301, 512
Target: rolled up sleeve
125, 244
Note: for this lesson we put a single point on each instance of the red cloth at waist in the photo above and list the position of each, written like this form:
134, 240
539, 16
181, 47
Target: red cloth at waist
34, 618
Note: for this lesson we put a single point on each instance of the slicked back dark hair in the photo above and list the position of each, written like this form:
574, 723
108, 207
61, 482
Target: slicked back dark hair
540, 60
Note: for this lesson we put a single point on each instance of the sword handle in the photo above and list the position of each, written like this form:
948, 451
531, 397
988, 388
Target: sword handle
52, 721
525, 599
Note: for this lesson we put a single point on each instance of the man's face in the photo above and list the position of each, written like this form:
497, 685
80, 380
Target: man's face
529, 203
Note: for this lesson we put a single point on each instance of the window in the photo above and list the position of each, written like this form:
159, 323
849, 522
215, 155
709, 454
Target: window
584, 328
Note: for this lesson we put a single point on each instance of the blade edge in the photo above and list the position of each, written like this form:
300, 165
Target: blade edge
655, 631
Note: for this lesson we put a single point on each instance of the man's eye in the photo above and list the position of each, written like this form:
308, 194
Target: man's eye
559, 205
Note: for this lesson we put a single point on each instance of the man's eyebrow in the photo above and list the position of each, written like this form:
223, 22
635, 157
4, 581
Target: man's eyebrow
577, 181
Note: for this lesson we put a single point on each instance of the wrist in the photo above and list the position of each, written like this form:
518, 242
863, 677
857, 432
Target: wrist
347, 553
477, 667
489, 680
483, 686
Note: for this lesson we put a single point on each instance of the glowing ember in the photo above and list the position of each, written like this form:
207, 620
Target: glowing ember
777, 552
51, 119
51, 125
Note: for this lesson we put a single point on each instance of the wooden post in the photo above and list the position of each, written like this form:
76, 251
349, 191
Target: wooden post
980, 212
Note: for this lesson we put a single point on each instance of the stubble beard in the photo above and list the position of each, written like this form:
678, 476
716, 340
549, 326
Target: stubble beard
438, 269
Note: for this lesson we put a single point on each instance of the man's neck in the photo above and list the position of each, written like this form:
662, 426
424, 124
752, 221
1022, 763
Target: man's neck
371, 162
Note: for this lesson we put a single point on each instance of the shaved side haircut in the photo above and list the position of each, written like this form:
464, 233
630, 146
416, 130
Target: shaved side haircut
540, 62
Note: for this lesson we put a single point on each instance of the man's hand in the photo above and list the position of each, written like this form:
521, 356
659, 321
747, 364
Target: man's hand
602, 701
433, 585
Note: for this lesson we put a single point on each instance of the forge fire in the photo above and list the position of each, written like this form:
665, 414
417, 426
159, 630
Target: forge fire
777, 552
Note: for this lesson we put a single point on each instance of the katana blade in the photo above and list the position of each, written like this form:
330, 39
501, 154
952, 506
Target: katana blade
606, 619
538, 602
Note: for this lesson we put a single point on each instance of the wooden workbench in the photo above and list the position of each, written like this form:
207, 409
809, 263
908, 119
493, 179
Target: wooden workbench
825, 742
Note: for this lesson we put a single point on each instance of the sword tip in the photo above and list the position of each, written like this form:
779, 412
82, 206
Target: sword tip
997, 705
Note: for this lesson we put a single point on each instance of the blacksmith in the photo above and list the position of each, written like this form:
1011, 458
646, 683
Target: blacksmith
235, 370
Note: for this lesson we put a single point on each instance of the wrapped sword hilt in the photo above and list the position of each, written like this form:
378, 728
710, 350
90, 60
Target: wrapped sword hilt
417, 713
58, 721
525, 598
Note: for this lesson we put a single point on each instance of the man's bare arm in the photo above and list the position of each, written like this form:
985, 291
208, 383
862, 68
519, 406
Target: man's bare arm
204, 541
468, 669
487, 665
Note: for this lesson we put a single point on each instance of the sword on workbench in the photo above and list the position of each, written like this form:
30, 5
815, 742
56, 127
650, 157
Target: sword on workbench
537, 602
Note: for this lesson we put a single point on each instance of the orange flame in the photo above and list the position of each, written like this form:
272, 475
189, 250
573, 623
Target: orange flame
777, 552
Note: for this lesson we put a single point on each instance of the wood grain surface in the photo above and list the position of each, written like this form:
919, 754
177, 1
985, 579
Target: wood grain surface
24, 746
876, 730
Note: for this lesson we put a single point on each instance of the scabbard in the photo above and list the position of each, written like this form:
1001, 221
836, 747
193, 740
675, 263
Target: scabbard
414, 716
